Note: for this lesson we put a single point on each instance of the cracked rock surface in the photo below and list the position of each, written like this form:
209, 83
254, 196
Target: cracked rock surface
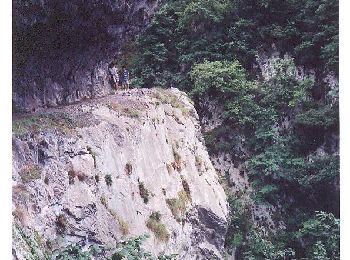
93, 173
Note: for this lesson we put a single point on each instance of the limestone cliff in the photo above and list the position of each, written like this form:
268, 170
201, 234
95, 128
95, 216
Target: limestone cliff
98, 172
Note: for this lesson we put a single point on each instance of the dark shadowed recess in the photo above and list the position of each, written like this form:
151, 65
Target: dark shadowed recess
60, 45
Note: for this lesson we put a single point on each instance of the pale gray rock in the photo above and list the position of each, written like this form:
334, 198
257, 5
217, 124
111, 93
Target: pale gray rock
84, 179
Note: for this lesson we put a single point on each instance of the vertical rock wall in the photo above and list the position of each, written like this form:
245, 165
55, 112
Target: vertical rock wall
61, 49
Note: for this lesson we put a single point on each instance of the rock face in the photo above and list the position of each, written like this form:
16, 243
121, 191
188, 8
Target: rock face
93, 173
62, 48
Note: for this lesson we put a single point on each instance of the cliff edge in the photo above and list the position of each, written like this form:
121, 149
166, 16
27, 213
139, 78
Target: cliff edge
104, 170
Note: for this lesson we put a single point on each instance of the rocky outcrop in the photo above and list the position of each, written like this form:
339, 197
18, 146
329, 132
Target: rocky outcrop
62, 48
94, 172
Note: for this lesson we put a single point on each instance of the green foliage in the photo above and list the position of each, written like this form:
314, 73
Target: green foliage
224, 139
209, 48
178, 204
219, 76
319, 39
144, 192
277, 166
320, 118
186, 32
228, 82
159, 229
203, 13
260, 247
240, 221
276, 162
41, 122
108, 179
247, 238
131, 249
319, 252
318, 170
320, 235
283, 91
76, 252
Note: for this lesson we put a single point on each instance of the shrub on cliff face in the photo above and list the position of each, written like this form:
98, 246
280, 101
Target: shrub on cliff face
108, 179
76, 251
128, 168
144, 192
61, 223
178, 204
123, 225
159, 229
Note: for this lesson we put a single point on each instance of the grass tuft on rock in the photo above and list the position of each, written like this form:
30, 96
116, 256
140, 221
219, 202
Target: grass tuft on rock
123, 226
144, 192
159, 229
166, 97
178, 204
29, 173
41, 122
123, 110
128, 168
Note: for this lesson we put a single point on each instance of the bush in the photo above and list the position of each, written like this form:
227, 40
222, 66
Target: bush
131, 249
221, 77
61, 223
104, 201
186, 187
127, 111
108, 179
128, 249
178, 205
128, 168
320, 235
158, 228
177, 164
123, 225
144, 193
76, 251
321, 118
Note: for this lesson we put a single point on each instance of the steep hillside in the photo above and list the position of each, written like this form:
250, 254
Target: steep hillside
99, 172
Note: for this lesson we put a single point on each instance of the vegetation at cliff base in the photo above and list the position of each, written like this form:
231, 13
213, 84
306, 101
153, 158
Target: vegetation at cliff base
129, 249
